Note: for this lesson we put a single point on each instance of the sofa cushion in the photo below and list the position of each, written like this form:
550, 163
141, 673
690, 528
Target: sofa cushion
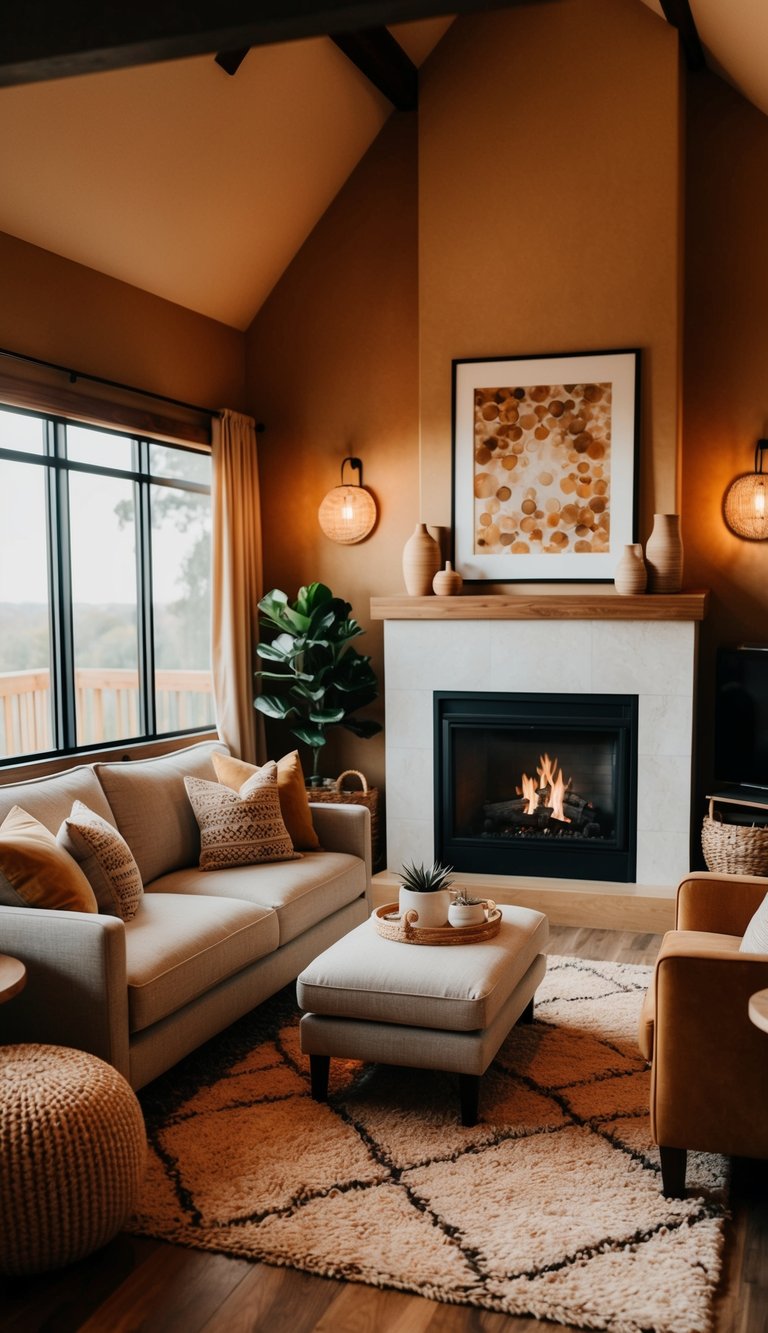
294, 803
179, 947
301, 893
35, 871
50, 799
240, 828
105, 859
151, 808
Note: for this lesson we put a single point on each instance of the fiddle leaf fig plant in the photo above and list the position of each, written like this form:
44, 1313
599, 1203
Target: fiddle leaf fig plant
318, 678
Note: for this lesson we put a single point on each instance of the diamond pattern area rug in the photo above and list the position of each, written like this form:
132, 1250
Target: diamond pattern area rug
550, 1206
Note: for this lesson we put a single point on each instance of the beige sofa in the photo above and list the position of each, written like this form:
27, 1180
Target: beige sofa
204, 946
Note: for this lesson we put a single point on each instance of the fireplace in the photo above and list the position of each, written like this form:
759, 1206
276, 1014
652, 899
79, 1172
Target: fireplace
537, 784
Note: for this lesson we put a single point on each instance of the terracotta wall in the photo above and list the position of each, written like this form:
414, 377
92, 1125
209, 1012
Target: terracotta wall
63, 312
726, 365
333, 370
549, 210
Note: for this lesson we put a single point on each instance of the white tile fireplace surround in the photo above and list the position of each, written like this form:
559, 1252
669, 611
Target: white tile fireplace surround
597, 644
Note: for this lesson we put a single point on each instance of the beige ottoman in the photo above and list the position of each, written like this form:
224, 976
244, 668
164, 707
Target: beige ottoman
428, 1006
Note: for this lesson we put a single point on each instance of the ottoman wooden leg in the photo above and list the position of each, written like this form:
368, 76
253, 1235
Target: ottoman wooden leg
469, 1092
319, 1068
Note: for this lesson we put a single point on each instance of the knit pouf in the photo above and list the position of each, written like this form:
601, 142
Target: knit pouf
72, 1155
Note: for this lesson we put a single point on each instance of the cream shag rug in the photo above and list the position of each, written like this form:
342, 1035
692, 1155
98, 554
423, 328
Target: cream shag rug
550, 1206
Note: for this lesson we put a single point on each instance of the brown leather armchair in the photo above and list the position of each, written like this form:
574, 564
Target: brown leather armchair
709, 1084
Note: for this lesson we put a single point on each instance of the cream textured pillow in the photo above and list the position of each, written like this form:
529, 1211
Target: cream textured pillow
35, 871
240, 828
294, 804
756, 935
106, 860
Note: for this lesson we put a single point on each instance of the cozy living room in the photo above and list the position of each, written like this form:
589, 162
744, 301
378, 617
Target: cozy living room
384, 667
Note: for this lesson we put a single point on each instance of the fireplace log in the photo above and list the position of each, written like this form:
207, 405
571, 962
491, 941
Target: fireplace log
499, 810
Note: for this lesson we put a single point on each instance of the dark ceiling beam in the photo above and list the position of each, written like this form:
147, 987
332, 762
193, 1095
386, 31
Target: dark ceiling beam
384, 63
45, 39
678, 13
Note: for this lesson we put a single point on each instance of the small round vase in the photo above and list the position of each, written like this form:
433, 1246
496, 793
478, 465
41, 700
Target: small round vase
421, 561
431, 907
664, 554
631, 575
447, 582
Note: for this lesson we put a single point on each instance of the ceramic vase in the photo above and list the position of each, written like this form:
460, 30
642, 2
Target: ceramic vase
431, 907
664, 554
631, 575
447, 582
421, 561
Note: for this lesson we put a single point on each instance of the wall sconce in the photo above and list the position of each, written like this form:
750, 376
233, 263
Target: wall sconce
744, 506
348, 512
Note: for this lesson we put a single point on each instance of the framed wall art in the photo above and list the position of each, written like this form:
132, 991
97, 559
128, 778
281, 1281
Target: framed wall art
544, 461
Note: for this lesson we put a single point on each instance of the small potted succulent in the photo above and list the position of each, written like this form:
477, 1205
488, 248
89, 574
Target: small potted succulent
424, 890
466, 910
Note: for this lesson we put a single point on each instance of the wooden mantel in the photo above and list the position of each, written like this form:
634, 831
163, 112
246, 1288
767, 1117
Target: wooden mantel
608, 605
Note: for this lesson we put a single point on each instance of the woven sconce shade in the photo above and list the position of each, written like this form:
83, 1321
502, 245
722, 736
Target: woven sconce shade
744, 507
348, 513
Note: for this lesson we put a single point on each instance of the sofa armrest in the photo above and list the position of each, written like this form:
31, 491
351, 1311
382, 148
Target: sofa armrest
710, 1062
720, 904
76, 992
344, 828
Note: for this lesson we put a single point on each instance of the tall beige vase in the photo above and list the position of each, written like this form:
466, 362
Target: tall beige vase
631, 575
664, 554
421, 561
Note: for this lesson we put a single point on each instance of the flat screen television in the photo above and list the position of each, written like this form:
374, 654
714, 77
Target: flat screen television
741, 716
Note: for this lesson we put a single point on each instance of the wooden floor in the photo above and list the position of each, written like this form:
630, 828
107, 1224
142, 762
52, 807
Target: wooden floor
137, 1284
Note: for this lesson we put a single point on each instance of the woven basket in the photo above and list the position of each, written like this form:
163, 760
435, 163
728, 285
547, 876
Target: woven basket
733, 849
339, 795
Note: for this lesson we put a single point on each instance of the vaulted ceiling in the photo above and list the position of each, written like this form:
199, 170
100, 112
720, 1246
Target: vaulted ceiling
200, 187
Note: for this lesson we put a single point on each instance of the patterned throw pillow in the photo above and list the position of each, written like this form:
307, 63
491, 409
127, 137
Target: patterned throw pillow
240, 828
35, 871
294, 804
756, 935
106, 859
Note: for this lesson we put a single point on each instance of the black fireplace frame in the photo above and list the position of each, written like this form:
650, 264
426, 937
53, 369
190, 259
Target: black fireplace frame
555, 858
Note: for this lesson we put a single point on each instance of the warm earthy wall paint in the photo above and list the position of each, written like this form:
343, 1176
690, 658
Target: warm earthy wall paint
333, 370
726, 365
63, 312
549, 158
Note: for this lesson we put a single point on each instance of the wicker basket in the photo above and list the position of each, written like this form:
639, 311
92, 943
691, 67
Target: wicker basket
734, 849
339, 795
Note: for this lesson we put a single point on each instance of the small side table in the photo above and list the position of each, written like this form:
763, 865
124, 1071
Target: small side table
758, 1009
13, 977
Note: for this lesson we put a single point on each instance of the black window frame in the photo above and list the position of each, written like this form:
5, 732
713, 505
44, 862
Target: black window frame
58, 468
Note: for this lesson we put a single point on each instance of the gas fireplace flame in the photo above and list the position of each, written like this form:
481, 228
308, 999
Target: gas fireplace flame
549, 789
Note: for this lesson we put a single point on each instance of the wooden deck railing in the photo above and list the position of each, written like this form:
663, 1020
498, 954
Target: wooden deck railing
107, 706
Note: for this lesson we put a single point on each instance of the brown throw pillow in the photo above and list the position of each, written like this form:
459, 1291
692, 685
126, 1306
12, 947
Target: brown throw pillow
105, 859
294, 804
35, 871
240, 828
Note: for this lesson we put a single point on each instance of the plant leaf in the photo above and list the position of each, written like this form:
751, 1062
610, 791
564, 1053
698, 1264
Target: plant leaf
272, 706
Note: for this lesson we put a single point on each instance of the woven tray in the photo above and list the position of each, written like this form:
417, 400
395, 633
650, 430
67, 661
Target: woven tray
404, 931
368, 796
734, 849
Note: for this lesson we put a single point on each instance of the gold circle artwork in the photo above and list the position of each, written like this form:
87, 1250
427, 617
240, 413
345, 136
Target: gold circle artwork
542, 470
347, 514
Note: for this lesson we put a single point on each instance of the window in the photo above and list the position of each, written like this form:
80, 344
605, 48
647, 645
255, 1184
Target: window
105, 543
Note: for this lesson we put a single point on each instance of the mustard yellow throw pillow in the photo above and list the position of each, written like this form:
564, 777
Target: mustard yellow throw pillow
35, 871
105, 859
240, 828
291, 790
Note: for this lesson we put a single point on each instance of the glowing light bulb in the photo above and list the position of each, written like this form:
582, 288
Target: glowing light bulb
760, 502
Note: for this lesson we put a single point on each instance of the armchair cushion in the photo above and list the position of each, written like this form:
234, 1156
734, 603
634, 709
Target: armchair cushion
756, 935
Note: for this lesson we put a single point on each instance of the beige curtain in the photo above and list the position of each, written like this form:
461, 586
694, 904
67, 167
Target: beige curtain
237, 583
